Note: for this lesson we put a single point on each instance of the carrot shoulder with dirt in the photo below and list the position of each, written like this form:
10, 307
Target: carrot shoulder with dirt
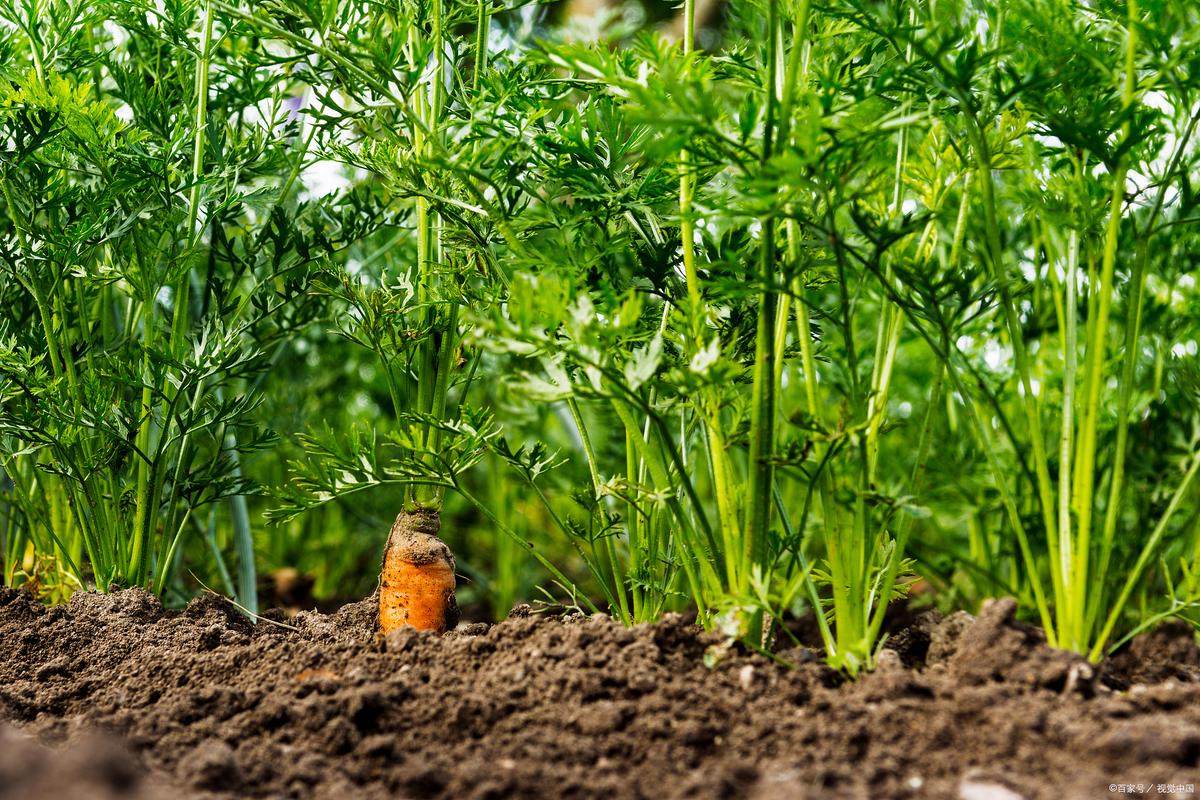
416, 584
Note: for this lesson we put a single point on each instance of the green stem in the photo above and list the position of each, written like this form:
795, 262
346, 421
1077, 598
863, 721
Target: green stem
201, 122
1148, 551
709, 403
445, 364
430, 384
763, 393
143, 513
1097, 351
610, 549
1066, 435
482, 20
1020, 355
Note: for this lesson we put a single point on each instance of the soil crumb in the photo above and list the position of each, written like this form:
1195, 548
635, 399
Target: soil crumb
136, 701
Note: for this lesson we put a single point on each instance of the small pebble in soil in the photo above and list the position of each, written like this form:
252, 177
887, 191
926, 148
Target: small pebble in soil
973, 789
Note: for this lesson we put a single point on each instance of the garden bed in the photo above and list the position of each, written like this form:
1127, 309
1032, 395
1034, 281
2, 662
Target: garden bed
138, 701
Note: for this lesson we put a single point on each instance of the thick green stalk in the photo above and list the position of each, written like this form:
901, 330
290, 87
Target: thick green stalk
1017, 338
709, 403
686, 221
890, 319
763, 394
432, 384
482, 21
200, 121
149, 476
180, 294
1097, 351
808, 361
1067, 434
890, 328
447, 352
633, 521
1093, 280
142, 515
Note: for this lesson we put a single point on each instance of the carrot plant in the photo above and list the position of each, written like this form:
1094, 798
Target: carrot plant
407, 302
155, 258
884, 211
1065, 169
1064, 234
696, 254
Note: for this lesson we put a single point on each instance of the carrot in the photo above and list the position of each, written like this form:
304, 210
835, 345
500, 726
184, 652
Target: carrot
417, 578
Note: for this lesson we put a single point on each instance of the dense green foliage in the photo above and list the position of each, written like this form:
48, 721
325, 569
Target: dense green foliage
855, 295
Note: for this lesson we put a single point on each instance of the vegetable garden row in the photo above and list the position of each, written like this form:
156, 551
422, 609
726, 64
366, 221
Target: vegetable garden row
819, 304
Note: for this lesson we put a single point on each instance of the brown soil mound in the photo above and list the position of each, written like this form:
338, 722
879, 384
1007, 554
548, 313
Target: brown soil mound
576, 708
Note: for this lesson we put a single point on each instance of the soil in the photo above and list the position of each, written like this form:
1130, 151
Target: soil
141, 702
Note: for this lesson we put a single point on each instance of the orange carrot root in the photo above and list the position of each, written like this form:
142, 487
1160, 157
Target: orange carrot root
417, 579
